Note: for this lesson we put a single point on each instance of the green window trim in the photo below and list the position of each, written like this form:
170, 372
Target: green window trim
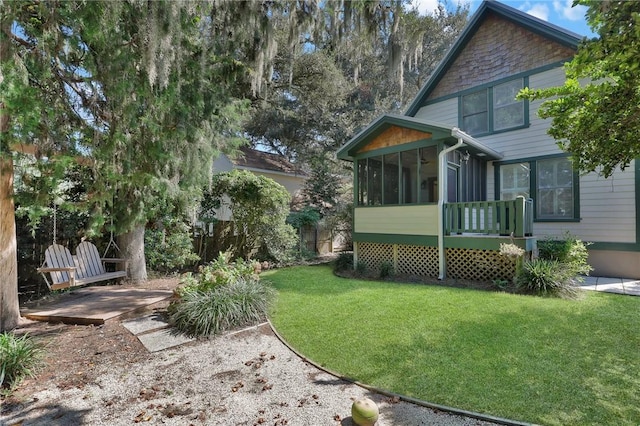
491, 108
533, 187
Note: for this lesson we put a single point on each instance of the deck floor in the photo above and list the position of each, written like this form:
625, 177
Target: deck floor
95, 305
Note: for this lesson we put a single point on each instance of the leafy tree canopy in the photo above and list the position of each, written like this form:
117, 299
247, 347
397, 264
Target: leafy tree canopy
328, 83
596, 113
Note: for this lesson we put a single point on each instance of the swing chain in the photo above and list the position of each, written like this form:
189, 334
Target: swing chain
55, 224
111, 241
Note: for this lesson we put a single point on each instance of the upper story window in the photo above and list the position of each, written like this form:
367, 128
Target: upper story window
493, 109
475, 112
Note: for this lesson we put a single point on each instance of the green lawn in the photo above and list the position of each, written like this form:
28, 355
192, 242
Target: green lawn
541, 360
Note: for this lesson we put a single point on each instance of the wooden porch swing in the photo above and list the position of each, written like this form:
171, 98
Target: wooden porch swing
85, 267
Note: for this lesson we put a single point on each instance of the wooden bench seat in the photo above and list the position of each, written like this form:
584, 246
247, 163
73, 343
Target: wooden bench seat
85, 267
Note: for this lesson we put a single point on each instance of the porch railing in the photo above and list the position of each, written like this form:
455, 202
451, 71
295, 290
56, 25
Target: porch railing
512, 217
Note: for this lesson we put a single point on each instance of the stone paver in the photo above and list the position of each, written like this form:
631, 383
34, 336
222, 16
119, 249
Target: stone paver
163, 339
154, 333
145, 324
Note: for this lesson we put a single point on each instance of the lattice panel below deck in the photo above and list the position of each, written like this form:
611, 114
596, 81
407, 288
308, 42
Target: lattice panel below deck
418, 260
478, 265
374, 254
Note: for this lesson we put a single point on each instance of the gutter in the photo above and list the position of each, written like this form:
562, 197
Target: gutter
442, 192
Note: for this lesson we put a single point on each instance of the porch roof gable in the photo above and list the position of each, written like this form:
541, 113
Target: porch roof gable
430, 130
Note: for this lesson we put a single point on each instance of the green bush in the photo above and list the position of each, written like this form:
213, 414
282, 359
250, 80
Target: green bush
544, 277
501, 284
344, 262
168, 246
239, 302
305, 254
219, 272
569, 251
386, 270
361, 267
18, 358
259, 207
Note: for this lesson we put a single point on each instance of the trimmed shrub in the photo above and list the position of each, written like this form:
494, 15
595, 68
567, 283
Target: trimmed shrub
344, 262
219, 272
569, 251
18, 358
386, 270
259, 207
240, 302
544, 277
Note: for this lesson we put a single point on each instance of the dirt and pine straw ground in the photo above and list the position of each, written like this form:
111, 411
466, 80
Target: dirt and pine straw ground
102, 375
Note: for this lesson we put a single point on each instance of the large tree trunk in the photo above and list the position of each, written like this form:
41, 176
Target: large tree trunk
132, 246
9, 307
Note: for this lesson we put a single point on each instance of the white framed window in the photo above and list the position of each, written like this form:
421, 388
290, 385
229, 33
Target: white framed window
555, 189
550, 182
515, 180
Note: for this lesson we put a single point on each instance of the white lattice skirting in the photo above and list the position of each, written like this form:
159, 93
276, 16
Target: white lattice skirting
468, 264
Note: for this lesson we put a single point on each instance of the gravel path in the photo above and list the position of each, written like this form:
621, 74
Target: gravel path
246, 378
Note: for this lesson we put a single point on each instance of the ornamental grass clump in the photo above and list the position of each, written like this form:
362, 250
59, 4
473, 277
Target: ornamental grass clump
223, 296
19, 356
545, 277
241, 302
558, 271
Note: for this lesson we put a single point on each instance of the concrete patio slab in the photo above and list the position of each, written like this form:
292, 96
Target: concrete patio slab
607, 280
632, 288
589, 287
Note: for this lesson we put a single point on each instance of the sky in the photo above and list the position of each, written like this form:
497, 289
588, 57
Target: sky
557, 12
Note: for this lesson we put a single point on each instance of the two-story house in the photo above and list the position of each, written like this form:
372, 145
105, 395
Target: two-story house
468, 166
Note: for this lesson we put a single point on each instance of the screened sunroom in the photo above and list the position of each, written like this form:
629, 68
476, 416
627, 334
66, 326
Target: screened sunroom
421, 189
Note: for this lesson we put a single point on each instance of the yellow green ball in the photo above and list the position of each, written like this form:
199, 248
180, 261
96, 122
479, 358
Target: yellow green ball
364, 412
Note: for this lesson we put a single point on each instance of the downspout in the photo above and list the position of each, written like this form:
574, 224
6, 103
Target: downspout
442, 192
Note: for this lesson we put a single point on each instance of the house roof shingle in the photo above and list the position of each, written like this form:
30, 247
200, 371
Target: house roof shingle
254, 159
531, 23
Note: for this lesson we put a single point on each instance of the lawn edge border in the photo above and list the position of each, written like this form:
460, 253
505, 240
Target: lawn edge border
434, 406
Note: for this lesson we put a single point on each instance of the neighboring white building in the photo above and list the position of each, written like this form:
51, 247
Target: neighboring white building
261, 163
281, 170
